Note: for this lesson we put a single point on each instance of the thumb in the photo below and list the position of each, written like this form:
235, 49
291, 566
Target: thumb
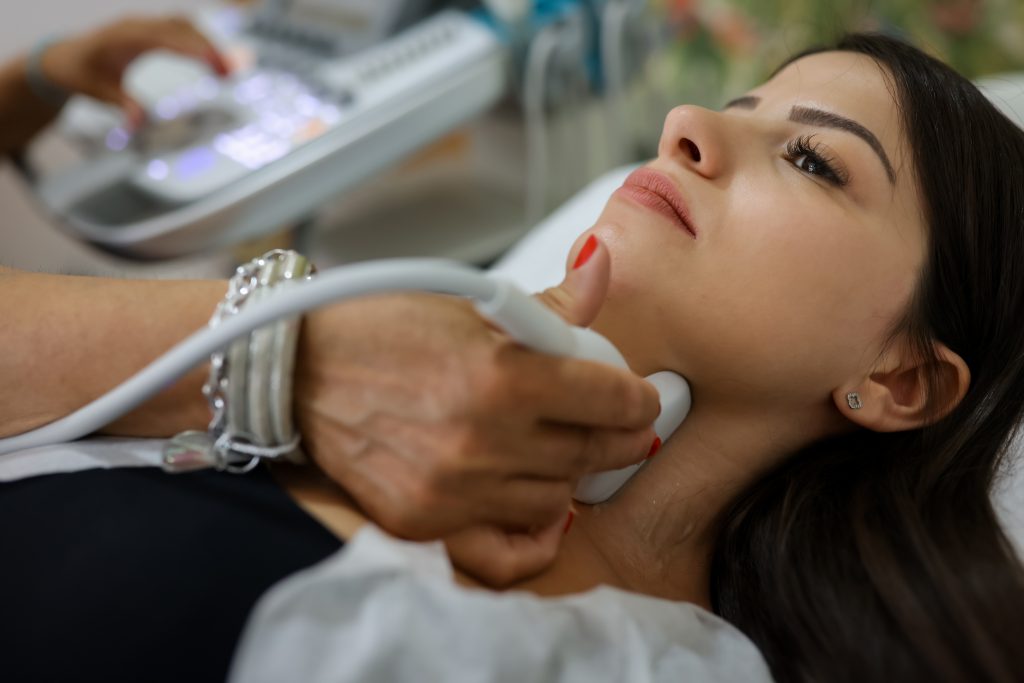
578, 298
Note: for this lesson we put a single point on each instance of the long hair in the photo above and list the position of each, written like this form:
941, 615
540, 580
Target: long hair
879, 557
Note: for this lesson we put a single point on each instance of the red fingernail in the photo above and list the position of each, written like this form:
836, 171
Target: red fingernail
589, 247
219, 63
568, 522
654, 447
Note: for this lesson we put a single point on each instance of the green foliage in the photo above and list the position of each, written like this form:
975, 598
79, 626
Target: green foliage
722, 47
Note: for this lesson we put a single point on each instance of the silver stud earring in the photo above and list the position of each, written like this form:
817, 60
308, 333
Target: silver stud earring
853, 400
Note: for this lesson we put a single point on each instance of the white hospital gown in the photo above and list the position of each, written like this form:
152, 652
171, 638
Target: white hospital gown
388, 610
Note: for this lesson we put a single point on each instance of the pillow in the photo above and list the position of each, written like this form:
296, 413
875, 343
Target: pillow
1006, 91
1009, 495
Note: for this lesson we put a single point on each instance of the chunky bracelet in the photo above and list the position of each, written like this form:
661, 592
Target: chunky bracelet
249, 388
41, 86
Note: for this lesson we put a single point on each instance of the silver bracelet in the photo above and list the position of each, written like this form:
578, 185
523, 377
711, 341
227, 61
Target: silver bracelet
249, 388
38, 82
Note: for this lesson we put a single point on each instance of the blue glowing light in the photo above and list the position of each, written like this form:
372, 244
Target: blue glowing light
157, 169
118, 139
194, 162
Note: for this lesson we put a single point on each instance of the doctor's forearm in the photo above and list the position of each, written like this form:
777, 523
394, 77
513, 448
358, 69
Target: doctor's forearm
67, 340
22, 113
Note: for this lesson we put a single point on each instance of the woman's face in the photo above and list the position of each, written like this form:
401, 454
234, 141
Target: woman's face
809, 237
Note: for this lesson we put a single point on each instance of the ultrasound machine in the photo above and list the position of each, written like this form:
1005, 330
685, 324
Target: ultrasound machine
323, 94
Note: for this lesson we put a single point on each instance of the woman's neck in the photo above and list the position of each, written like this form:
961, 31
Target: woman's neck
657, 535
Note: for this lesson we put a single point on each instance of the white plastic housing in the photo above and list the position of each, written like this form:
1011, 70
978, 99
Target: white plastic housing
674, 394
531, 323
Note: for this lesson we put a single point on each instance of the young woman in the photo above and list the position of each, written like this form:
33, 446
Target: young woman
834, 262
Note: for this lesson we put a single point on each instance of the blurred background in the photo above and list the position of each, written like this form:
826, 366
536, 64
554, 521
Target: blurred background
473, 190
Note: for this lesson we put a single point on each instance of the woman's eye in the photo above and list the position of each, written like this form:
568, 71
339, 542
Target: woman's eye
811, 159
805, 162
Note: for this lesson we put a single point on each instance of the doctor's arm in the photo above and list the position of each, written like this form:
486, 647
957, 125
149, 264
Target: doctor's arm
433, 421
67, 340
91, 64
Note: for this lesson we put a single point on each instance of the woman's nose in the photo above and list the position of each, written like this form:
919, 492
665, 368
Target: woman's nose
695, 138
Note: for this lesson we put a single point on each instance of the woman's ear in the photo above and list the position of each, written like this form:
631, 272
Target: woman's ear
894, 397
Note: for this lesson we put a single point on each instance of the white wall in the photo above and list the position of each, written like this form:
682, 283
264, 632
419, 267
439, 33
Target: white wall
27, 239
24, 21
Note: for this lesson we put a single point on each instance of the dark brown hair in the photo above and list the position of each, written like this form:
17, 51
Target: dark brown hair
879, 557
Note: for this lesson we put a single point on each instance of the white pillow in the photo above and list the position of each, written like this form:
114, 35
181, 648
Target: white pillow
1006, 91
538, 261
1009, 495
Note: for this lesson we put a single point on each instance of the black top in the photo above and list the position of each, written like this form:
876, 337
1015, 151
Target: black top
137, 575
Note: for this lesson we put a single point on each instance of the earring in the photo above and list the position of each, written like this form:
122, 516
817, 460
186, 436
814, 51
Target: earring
853, 400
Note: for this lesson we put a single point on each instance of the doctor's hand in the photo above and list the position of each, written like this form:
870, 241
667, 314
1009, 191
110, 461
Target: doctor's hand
441, 426
94, 63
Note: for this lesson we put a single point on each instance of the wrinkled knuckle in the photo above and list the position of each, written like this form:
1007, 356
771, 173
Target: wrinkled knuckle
559, 300
490, 393
465, 444
491, 388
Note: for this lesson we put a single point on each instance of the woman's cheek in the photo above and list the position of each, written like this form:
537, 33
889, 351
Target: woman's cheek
641, 284
643, 317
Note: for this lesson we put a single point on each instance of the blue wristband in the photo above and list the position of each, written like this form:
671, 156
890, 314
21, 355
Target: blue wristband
41, 86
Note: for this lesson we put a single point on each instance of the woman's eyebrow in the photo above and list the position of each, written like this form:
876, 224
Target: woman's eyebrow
824, 119
827, 119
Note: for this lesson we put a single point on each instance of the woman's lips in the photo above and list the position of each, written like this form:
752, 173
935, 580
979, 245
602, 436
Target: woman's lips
656, 192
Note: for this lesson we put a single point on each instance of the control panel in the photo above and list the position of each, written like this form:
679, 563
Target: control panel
298, 120
205, 134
